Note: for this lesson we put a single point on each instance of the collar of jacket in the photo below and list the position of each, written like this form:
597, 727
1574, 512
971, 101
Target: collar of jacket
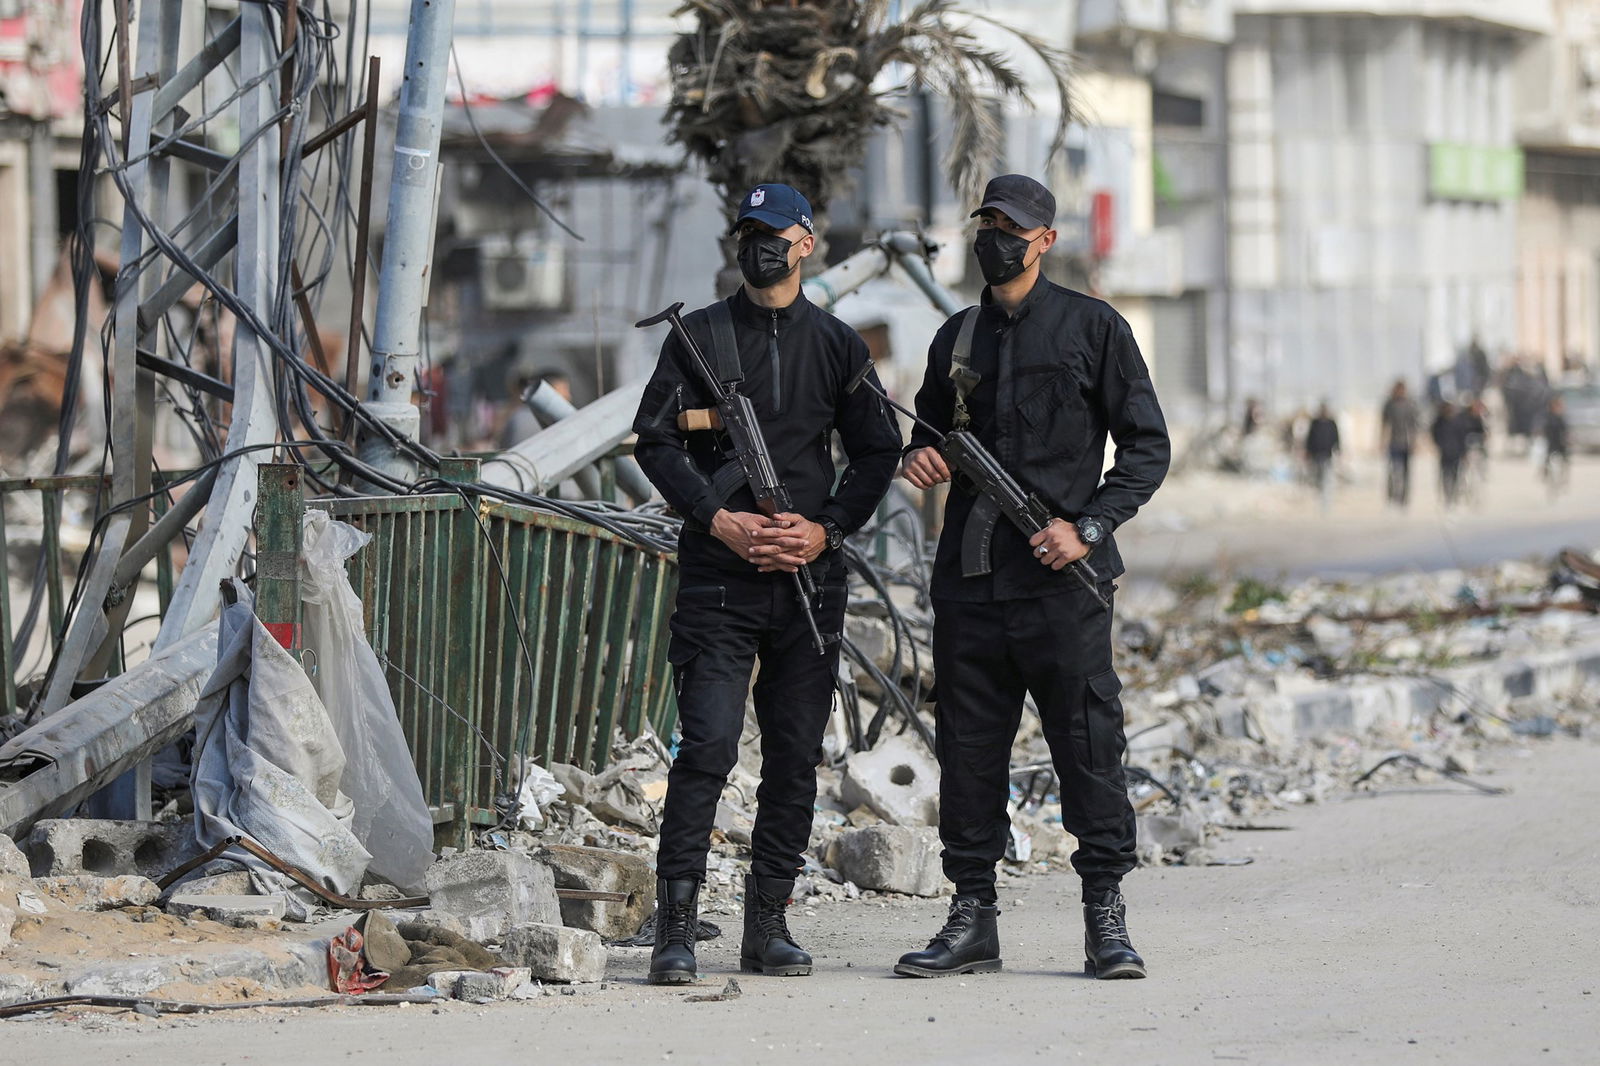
750, 313
1041, 285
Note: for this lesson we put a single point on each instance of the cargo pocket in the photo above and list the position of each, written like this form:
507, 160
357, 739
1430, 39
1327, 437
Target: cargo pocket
1104, 714
691, 620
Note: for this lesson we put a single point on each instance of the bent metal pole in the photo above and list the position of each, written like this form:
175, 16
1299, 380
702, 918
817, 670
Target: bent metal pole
408, 237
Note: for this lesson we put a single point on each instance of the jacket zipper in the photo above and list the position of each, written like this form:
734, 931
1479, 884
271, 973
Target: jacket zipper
777, 366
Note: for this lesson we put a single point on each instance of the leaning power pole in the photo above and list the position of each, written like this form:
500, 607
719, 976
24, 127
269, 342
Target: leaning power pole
408, 235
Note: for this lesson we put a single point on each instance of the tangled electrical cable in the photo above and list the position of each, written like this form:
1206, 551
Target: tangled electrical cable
316, 217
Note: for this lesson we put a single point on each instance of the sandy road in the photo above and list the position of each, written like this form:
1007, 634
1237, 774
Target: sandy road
1424, 926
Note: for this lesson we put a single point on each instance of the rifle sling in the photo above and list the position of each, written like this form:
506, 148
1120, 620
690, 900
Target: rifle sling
962, 375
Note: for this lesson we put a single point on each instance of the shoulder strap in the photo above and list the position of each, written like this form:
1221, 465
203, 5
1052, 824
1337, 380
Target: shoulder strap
724, 345
961, 373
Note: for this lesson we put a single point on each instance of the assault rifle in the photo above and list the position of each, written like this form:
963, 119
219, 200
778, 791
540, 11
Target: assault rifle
749, 449
998, 493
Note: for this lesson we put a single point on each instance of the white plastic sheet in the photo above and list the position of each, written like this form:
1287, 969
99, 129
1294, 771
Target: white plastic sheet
538, 790
267, 763
392, 819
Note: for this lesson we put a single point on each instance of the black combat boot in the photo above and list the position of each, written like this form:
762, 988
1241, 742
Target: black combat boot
677, 922
1107, 951
968, 943
768, 948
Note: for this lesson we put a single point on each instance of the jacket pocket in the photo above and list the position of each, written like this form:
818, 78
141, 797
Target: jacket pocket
1054, 416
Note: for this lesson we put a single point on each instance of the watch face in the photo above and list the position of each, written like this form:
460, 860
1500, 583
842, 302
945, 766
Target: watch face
1091, 531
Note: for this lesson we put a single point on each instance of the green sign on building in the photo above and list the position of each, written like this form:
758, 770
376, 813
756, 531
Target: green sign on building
1474, 172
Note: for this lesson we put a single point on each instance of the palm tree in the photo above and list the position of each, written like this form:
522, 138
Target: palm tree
787, 90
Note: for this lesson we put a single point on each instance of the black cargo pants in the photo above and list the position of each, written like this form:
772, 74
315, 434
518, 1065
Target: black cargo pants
719, 632
986, 656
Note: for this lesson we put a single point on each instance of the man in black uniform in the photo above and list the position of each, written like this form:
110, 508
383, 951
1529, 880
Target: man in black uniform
736, 594
1042, 375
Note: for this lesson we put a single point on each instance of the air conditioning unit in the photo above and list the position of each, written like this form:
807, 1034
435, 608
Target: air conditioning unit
523, 273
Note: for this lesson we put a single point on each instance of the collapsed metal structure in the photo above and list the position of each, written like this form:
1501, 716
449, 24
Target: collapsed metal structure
279, 217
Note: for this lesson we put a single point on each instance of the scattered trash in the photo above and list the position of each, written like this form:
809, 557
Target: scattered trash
537, 787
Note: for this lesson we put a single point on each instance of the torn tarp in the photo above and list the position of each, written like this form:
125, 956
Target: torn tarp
392, 819
267, 763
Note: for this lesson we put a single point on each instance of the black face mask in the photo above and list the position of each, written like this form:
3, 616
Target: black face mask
764, 259
1001, 255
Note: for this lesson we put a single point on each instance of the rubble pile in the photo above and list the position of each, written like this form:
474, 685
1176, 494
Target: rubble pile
1243, 698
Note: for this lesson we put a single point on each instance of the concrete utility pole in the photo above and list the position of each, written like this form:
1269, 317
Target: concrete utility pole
408, 234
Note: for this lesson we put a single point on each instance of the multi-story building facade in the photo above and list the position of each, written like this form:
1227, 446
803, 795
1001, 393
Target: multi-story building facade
1558, 239
1374, 178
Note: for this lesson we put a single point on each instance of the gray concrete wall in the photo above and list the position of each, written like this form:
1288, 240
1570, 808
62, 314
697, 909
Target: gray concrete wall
1373, 278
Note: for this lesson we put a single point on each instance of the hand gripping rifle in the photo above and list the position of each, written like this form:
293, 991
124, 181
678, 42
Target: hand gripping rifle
749, 448
998, 493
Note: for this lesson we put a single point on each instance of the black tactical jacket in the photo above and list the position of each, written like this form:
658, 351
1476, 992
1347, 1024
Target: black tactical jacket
1057, 378
799, 402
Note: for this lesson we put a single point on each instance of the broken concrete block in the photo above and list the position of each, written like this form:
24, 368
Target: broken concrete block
1173, 832
135, 980
734, 823
232, 883
502, 982
1333, 639
555, 953
1053, 843
491, 892
84, 892
890, 858
601, 870
8, 918
445, 982
223, 908
896, 780
63, 846
16, 987
381, 892
1225, 678
12, 862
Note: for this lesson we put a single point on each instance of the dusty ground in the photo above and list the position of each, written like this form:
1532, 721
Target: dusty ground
1204, 520
1425, 926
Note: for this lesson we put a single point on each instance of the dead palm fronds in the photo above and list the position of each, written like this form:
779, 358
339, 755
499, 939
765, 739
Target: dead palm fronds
791, 91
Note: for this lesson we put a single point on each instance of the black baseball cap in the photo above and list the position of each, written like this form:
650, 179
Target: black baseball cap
779, 206
1028, 203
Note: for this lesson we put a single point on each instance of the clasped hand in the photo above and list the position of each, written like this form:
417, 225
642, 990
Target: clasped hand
783, 542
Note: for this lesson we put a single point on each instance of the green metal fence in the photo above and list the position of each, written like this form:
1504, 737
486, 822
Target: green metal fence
507, 632
34, 512
503, 631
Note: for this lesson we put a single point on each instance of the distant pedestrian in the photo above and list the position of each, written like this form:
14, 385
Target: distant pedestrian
1450, 439
1474, 419
1321, 444
1556, 444
1253, 417
1519, 391
1400, 422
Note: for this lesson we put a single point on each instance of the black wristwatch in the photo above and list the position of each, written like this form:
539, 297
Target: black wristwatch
1091, 530
834, 534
